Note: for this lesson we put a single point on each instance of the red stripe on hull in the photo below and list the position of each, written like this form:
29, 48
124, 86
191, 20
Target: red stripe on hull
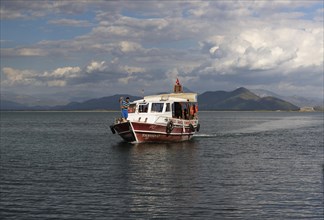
146, 132
160, 128
157, 137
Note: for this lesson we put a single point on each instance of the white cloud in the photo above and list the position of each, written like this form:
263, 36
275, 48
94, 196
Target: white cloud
96, 66
208, 44
56, 83
23, 52
57, 77
127, 47
34, 9
64, 72
125, 80
10, 14
94, 72
132, 69
14, 76
70, 22
31, 52
264, 49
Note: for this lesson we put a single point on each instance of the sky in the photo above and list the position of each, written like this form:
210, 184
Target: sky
96, 48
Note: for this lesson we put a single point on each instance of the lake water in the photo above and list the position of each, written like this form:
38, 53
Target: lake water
241, 165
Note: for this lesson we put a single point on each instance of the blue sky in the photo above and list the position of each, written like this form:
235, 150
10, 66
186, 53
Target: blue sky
65, 49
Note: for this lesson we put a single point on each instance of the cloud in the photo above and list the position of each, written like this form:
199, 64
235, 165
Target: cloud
23, 52
56, 83
208, 44
64, 72
59, 77
70, 22
95, 66
22, 77
94, 72
20, 9
127, 47
263, 49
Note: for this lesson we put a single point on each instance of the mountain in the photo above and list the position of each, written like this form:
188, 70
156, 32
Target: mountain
6, 105
105, 103
302, 101
10, 105
241, 99
28, 100
296, 100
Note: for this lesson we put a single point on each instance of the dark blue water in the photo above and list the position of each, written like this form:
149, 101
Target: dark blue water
242, 165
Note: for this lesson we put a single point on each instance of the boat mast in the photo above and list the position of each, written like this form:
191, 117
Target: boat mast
177, 87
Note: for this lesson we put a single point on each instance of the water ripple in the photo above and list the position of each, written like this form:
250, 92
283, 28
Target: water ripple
241, 166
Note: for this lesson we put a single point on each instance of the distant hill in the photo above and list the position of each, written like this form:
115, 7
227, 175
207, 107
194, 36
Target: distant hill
6, 105
105, 103
295, 100
9, 105
241, 99
27, 100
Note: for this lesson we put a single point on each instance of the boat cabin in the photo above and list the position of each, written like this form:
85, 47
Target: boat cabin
165, 106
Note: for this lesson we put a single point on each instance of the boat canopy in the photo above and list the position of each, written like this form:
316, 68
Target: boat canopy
189, 97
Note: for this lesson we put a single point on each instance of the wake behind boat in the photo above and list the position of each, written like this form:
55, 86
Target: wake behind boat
166, 117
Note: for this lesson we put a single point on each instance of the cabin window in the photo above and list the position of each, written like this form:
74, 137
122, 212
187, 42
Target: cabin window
157, 107
132, 108
143, 107
167, 108
184, 110
177, 111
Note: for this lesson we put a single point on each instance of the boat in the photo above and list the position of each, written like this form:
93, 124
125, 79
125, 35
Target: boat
168, 117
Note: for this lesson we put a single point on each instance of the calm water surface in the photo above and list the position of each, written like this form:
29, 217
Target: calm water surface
241, 165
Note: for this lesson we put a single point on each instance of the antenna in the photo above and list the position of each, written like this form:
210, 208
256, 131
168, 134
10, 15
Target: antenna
143, 93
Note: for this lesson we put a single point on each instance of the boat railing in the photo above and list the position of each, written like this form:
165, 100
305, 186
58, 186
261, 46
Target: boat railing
176, 121
162, 119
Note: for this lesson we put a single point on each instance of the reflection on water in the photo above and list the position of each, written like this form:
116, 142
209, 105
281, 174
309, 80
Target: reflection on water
123, 144
156, 176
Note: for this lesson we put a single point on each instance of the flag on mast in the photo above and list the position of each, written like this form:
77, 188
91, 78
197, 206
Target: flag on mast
177, 82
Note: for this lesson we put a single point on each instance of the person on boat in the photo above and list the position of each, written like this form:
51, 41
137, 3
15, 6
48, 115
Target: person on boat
177, 110
192, 111
124, 104
185, 113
